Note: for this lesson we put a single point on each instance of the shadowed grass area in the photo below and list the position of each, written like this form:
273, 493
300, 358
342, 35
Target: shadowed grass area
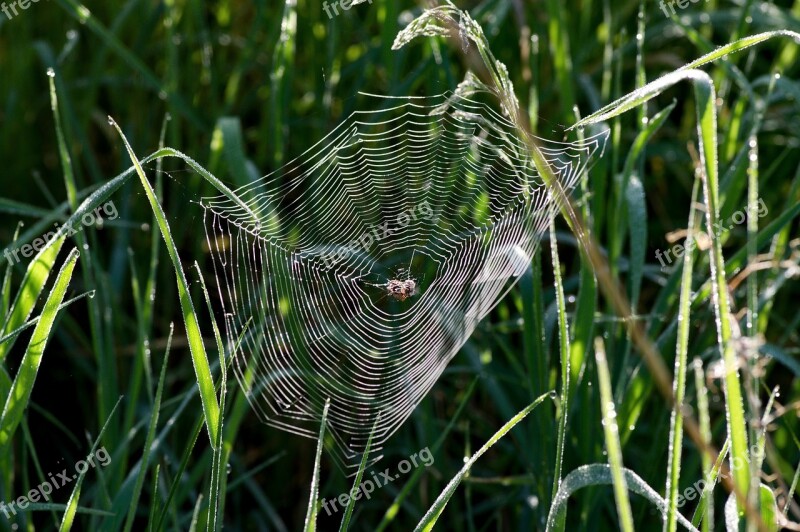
670, 276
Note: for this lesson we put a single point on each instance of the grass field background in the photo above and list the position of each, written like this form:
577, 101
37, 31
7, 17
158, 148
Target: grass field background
241, 88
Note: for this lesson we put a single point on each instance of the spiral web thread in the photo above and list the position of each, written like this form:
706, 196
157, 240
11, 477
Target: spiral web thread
437, 190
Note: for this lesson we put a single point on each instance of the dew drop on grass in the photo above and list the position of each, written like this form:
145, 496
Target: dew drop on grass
83, 14
228, 468
553, 395
111, 121
51, 73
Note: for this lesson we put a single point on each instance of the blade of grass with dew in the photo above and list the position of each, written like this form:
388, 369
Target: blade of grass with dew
705, 506
655, 87
216, 496
144, 301
33, 321
151, 432
704, 420
311, 516
351, 501
432, 515
613, 447
19, 395
598, 475
681, 363
196, 347
30, 288
155, 496
72, 505
106, 365
705, 100
564, 354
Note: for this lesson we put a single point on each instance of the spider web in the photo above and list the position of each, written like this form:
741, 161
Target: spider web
437, 190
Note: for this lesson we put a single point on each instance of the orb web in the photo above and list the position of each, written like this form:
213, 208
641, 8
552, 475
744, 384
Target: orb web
363, 266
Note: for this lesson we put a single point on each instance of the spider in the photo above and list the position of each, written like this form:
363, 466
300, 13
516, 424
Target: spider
401, 290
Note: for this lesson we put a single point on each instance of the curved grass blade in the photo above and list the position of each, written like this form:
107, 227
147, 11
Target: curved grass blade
596, 475
707, 131
655, 87
205, 383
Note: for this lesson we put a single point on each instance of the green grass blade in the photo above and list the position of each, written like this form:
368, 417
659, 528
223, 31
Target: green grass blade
30, 288
351, 501
197, 349
72, 504
311, 515
652, 89
432, 515
148, 444
681, 362
564, 352
612, 439
21, 388
707, 132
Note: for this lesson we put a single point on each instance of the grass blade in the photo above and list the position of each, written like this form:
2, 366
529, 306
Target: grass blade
21, 388
311, 516
72, 504
151, 432
612, 439
432, 515
197, 349
679, 386
351, 502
